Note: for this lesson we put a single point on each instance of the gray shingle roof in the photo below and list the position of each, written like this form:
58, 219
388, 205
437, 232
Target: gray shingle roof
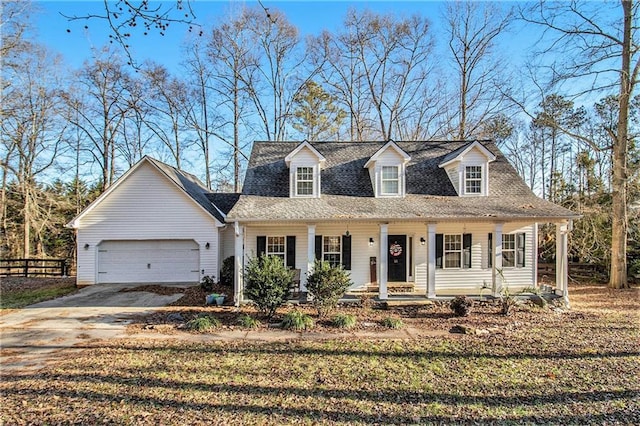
198, 191
347, 192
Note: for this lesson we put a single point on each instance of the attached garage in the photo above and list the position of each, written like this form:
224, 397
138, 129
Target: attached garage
156, 224
148, 261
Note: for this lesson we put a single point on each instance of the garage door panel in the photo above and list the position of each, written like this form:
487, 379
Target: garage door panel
148, 261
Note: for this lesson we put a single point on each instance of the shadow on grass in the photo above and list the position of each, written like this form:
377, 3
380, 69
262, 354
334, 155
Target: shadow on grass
260, 404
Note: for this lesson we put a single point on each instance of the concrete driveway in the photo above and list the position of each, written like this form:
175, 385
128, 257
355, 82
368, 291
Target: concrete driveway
32, 336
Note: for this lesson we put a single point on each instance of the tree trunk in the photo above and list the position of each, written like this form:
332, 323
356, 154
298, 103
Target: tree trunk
618, 276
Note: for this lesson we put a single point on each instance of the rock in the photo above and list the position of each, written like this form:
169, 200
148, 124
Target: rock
175, 317
538, 301
461, 329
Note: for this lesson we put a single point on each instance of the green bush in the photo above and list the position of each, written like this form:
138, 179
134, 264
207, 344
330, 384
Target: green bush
267, 282
228, 271
634, 269
246, 321
203, 323
391, 322
461, 306
327, 284
344, 321
296, 320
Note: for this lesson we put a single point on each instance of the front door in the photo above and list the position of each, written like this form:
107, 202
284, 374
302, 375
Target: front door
397, 255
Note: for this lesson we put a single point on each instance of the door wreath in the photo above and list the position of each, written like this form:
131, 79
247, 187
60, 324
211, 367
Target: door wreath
395, 249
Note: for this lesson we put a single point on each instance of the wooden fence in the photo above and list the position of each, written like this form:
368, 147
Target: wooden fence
577, 271
33, 267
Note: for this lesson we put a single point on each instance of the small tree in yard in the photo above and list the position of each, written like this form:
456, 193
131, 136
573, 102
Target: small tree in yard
327, 284
267, 282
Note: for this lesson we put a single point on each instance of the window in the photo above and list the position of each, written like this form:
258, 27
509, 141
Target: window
276, 247
452, 251
473, 180
390, 185
331, 250
304, 181
508, 250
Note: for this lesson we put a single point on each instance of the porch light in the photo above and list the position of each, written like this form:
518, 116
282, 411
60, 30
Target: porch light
207, 246
86, 246
422, 241
370, 242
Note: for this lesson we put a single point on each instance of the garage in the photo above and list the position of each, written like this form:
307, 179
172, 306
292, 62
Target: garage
148, 261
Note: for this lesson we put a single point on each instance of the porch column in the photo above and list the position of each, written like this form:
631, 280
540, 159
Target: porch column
311, 253
431, 260
562, 265
384, 246
496, 270
238, 283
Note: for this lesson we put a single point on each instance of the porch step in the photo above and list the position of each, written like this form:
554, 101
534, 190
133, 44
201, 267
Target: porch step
406, 302
393, 287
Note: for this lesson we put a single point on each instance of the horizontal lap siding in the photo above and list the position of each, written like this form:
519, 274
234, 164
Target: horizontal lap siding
451, 281
470, 281
146, 206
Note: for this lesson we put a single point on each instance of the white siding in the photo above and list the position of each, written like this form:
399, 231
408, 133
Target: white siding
471, 280
146, 206
448, 281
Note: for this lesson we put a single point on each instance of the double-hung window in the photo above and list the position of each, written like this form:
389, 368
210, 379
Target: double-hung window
473, 180
304, 181
331, 250
390, 180
276, 247
508, 250
452, 250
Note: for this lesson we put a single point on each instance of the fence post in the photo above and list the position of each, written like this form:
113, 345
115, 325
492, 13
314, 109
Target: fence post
26, 267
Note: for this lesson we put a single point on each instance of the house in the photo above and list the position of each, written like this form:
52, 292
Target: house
155, 224
441, 217
437, 217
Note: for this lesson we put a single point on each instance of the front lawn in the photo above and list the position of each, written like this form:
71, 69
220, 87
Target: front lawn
548, 366
18, 292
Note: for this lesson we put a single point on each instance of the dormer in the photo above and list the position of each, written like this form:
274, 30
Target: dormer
305, 164
468, 169
387, 170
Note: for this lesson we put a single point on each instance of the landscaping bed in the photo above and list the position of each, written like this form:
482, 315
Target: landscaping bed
552, 366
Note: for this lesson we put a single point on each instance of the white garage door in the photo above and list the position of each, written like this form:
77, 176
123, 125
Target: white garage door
148, 261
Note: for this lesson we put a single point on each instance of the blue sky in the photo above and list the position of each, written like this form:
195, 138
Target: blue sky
311, 17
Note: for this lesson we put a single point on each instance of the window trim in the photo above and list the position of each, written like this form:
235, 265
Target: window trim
338, 252
396, 180
298, 180
479, 180
283, 254
445, 251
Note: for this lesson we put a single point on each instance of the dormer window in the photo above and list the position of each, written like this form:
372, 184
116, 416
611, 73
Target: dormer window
305, 164
468, 169
390, 180
304, 181
387, 169
473, 180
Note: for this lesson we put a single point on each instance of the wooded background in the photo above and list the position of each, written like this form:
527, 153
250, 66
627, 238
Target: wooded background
567, 119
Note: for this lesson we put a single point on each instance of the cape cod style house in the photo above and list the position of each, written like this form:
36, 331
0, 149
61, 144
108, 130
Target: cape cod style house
436, 217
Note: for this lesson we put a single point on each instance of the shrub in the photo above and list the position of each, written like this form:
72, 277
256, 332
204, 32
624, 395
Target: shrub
207, 283
296, 320
267, 282
228, 271
246, 321
327, 284
391, 322
461, 306
507, 301
203, 323
634, 269
344, 321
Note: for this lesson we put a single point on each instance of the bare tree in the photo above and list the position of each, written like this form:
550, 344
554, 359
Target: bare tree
473, 29
31, 134
101, 103
378, 67
605, 56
